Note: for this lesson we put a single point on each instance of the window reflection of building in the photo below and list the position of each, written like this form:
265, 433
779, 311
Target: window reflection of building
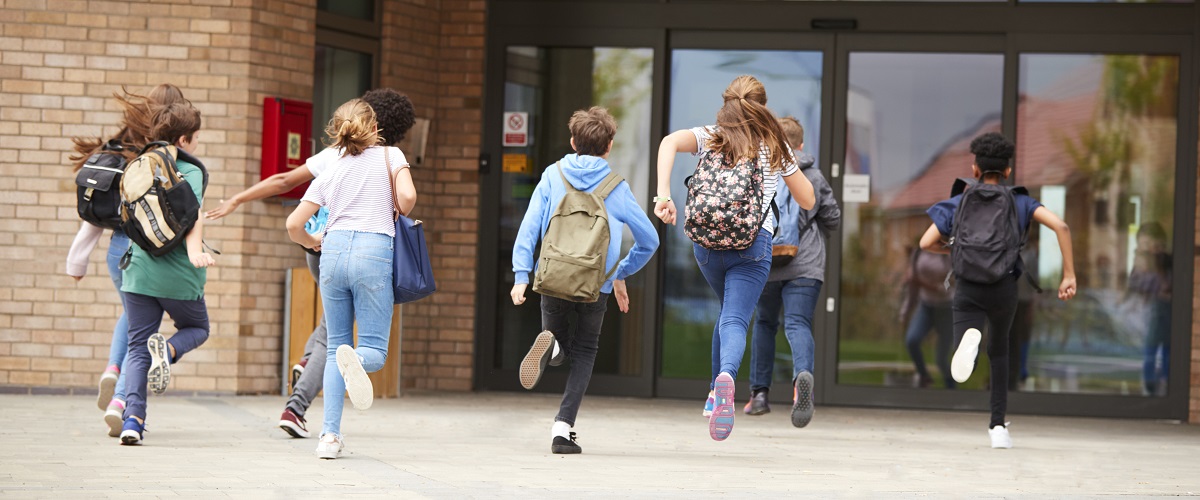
1096, 144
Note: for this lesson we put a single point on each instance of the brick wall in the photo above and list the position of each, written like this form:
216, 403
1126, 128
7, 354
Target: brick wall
435, 55
60, 62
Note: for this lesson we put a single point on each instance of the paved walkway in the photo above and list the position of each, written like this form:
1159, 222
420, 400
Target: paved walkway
496, 445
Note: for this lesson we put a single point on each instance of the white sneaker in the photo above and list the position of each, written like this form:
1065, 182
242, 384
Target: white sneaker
159, 375
1000, 437
964, 357
329, 447
113, 417
108, 387
358, 384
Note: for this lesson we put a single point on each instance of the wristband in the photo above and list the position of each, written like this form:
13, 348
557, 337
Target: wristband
661, 198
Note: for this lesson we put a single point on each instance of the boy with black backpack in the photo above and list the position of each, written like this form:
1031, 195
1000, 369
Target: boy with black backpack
983, 229
578, 210
162, 191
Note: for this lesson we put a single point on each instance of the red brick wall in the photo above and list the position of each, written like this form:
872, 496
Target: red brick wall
60, 62
434, 53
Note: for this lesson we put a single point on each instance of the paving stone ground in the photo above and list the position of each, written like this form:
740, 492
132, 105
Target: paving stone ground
496, 445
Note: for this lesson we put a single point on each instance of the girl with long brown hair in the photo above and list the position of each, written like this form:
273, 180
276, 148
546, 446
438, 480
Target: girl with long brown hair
135, 124
729, 220
362, 190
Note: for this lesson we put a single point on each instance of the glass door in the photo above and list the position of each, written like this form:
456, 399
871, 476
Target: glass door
543, 83
794, 71
908, 107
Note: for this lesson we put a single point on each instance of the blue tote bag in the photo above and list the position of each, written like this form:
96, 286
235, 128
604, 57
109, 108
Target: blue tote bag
412, 273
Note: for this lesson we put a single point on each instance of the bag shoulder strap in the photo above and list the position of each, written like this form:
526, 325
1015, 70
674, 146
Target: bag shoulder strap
607, 185
561, 175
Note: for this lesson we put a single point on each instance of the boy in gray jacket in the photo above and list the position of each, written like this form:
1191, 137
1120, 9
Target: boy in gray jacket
793, 287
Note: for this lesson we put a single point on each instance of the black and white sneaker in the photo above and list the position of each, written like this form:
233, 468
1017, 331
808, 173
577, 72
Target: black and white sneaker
535, 361
160, 364
564, 446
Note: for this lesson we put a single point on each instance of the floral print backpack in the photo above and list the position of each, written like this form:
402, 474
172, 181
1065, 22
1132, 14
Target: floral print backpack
724, 204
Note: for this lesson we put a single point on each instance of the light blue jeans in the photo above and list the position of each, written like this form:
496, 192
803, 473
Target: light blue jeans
120, 339
356, 284
737, 277
798, 300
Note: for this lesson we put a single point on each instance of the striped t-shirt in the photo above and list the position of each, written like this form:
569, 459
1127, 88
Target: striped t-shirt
770, 180
357, 191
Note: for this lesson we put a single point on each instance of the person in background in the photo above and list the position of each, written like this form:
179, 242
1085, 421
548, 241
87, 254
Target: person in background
794, 288
135, 128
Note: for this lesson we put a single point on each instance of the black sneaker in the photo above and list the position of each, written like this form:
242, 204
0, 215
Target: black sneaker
535, 361
758, 404
564, 446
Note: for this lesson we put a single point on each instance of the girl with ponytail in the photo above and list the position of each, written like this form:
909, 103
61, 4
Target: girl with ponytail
747, 144
368, 183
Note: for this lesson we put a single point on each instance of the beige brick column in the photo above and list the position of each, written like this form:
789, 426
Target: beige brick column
60, 62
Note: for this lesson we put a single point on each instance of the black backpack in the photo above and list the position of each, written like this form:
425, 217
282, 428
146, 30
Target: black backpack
98, 186
158, 205
985, 243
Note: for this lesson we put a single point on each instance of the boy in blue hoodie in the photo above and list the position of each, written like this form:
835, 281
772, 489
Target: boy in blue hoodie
592, 134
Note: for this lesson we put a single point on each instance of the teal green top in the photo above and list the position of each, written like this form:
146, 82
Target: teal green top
171, 276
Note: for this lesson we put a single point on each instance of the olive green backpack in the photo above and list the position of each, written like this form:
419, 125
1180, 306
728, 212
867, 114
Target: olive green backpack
571, 265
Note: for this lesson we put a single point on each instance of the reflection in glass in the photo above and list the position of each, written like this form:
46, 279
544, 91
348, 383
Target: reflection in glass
1096, 138
793, 84
910, 118
339, 75
549, 84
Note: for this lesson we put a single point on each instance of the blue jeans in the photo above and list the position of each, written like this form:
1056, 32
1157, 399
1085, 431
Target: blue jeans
737, 277
798, 300
1158, 338
120, 339
145, 316
356, 284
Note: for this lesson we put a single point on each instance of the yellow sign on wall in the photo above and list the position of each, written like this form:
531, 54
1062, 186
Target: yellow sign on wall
293, 146
516, 164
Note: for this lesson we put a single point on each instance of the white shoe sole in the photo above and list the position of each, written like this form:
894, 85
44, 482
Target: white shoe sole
108, 387
292, 429
159, 375
358, 384
964, 357
114, 421
130, 438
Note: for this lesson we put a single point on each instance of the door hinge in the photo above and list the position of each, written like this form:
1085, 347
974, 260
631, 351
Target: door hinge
829, 304
836, 170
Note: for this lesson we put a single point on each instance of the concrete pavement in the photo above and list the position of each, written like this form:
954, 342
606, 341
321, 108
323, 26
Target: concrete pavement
497, 445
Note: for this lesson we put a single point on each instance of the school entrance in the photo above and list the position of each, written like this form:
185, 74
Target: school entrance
1101, 102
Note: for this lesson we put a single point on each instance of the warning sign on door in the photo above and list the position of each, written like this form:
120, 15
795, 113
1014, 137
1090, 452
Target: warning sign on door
516, 129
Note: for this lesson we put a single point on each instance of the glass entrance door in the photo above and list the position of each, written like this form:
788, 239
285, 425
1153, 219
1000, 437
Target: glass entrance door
794, 72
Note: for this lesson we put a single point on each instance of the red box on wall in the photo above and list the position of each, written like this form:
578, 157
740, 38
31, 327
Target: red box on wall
286, 138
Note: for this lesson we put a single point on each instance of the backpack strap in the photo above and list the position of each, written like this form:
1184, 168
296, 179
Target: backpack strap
607, 185
961, 184
570, 188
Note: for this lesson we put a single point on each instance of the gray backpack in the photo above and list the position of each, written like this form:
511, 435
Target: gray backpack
986, 240
571, 264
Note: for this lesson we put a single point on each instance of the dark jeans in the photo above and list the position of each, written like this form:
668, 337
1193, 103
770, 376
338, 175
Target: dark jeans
797, 299
1018, 345
1158, 338
145, 315
937, 318
995, 305
579, 345
737, 277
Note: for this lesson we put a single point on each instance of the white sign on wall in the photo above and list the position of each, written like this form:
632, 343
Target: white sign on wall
516, 129
856, 188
